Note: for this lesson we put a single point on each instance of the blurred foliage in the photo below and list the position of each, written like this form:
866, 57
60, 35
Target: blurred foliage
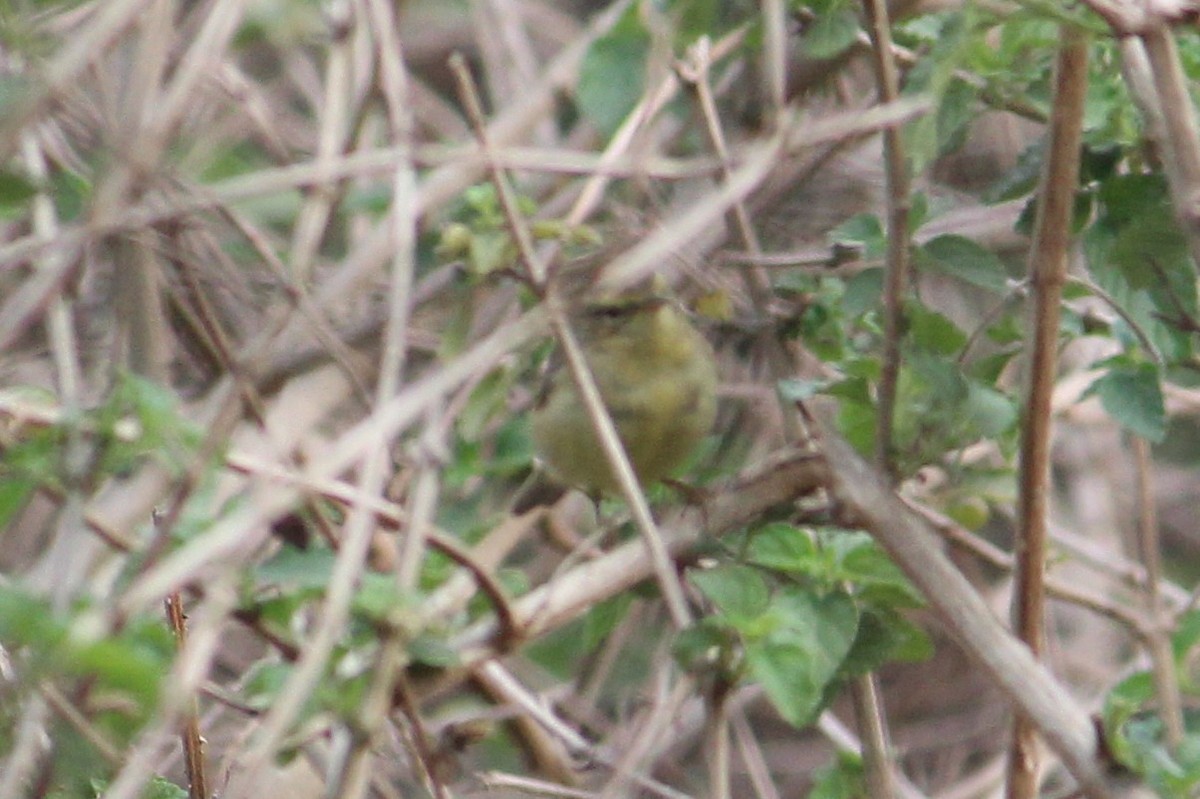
799, 612
797, 609
1135, 733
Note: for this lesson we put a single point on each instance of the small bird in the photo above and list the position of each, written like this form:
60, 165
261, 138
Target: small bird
657, 376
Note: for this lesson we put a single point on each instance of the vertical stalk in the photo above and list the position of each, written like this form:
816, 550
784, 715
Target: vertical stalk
868, 709
898, 185
1166, 681
1048, 271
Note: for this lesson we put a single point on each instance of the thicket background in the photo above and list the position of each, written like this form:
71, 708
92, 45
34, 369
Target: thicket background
272, 314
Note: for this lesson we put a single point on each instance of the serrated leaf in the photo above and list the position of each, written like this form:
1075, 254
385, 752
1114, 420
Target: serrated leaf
613, 73
830, 34
1133, 397
784, 548
798, 659
990, 412
738, 592
932, 333
966, 260
162, 788
856, 423
862, 292
884, 636
860, 560
1022, 178
864, 229
955, 113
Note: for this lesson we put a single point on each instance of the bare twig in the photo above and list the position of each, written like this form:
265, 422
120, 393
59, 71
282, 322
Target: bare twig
865, 501
1166, 681
606, 431
887, 82
337, 108
1181, 143
193, 742
696, 71
1048, 269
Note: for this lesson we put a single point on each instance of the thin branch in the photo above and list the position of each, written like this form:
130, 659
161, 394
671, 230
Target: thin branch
1047, 270
717, 747
333, 132
585, 382
887, 82
1137, 623
785, 478
193, 742
1181, 143
244, 528
696, 70
1166, 681
752, 756
872, 724
864, 500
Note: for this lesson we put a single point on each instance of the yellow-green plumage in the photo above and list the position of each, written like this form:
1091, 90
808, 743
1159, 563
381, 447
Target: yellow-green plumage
658, 378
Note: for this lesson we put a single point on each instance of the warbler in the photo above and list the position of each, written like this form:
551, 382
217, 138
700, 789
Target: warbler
657, 376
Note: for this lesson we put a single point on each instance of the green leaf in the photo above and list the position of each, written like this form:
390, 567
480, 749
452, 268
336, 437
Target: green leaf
15, 193
846, 779
1183, 643
739, 592
603, 618
1127, 198
1132, 395
784, 548
863, 292
297, 568
708, 643
379, 597
263, 682
863, 229
989, 411
933, 333
119, 663
885, 636
955, 112
856, 422
1150, 240
860, 560
830, 34
613, 73
431, 650
799, 658
132, 661
1022, 178
14, 491
162, 788
962, 258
